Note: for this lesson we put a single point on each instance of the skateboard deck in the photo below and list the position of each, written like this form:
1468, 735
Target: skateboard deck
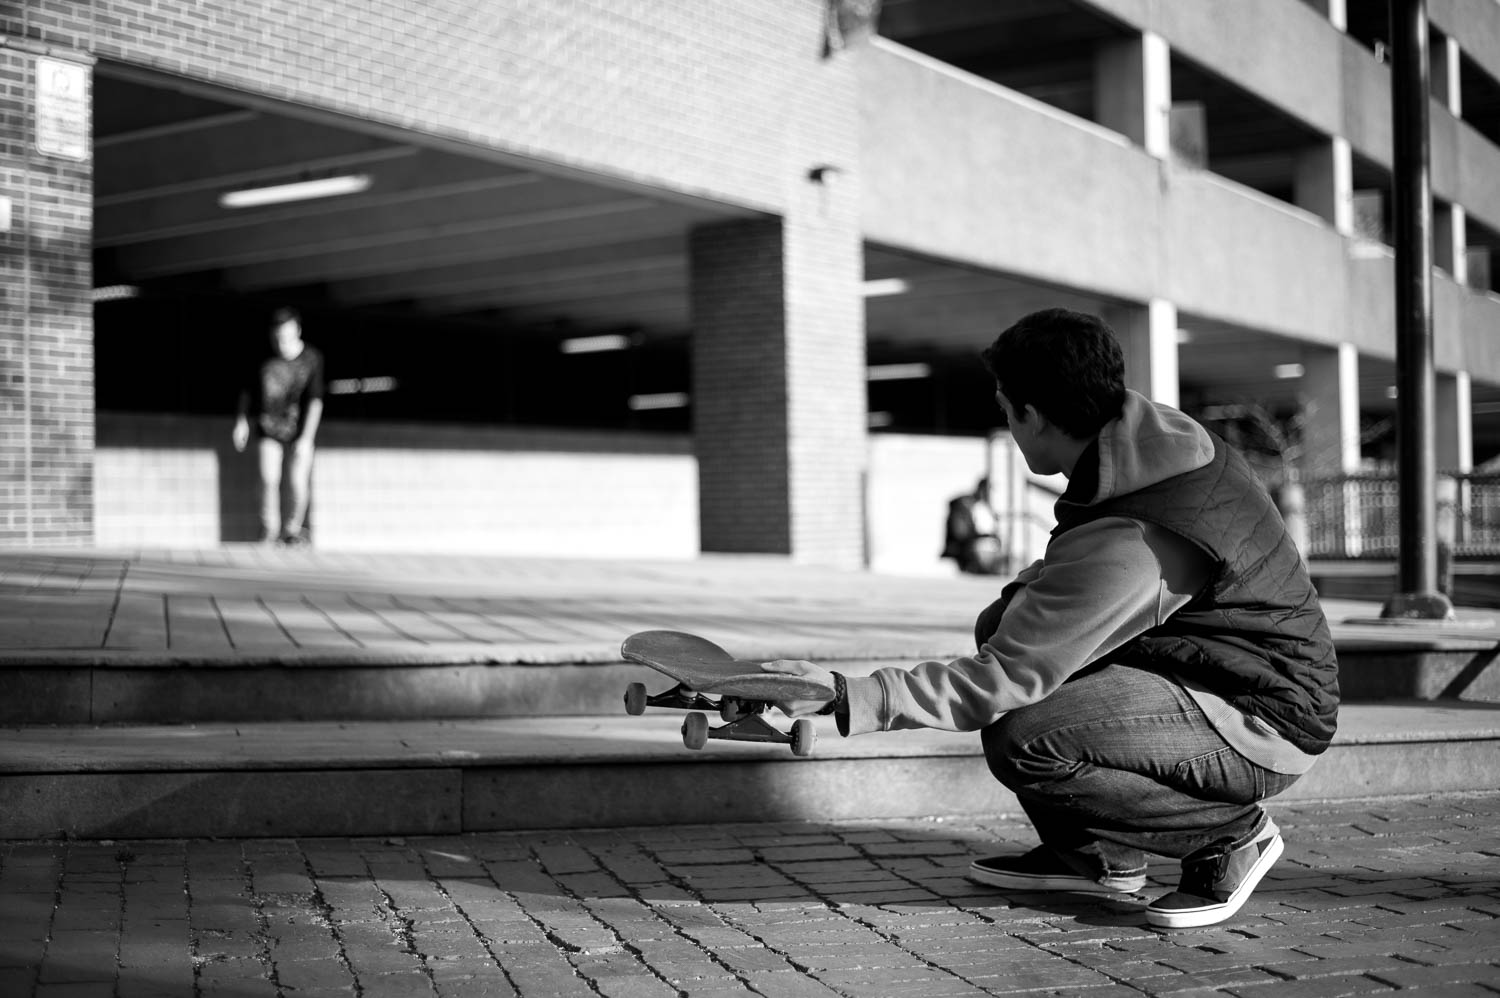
702, 670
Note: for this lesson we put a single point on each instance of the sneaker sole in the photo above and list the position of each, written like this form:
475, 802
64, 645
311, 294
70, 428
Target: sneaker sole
1213, 914
1078, 885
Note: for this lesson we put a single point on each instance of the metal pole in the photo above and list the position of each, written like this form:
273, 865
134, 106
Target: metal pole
1417, 594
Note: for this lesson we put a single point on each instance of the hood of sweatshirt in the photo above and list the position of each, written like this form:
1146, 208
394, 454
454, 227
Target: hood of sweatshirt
1148, 443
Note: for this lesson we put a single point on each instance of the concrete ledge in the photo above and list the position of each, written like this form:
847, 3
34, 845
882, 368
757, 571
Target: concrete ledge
387, 778
1392, 665
250, 693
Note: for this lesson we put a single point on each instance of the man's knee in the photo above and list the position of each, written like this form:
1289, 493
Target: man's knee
1008, 749
1022, 748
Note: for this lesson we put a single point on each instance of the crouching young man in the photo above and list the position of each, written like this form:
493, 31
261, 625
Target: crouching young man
1164, 668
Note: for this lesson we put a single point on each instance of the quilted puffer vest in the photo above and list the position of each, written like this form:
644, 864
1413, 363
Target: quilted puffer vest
1255, 634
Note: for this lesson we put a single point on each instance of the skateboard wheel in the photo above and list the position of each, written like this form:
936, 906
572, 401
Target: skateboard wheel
803, 737
635, 698
695, 730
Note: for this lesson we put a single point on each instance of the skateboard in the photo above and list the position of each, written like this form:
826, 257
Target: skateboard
704, 670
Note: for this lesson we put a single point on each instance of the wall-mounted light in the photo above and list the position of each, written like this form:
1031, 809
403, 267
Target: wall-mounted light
1286, 372
897, 372
302, 190
660, 400
594, 344
884, 286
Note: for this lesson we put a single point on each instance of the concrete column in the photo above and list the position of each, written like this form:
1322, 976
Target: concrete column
46, 323
1336, 11
1330, 392
1445, 75
1324, 183
778, 388
1133, 91
1450, 244
1148, 335
1330, 397
1455, 453
1455, 423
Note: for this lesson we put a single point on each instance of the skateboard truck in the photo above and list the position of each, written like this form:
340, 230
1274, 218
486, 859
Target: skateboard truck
710, 680
743, 718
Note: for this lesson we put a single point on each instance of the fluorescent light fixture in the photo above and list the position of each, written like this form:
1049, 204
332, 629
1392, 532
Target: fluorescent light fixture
594, 344
661, 400
302, 190
885, 286
1287, 372
897, 372
114, 292
361, 386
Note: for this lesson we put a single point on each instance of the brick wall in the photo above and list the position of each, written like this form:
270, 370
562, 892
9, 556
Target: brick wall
174, 481
46, 348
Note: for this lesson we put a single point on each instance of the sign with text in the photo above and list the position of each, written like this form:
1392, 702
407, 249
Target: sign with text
62, 109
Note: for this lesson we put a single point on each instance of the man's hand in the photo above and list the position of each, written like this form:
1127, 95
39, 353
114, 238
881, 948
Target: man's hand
793, 667
241, 435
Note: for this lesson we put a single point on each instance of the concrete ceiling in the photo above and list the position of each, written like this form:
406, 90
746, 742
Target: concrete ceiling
520, 246
436, 232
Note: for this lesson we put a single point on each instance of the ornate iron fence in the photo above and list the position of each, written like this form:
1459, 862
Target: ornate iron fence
1356, 516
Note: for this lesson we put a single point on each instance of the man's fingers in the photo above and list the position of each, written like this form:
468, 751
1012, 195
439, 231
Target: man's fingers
787, 666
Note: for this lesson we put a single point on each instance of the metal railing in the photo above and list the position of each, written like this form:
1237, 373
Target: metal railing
1356, 516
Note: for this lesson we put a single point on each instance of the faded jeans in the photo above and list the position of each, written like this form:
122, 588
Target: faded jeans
1119, 762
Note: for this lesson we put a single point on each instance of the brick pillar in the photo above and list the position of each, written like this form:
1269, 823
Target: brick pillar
46, 318
778, 386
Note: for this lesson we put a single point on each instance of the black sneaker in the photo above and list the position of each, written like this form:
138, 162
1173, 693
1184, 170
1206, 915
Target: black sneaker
1213, 889
1045, 869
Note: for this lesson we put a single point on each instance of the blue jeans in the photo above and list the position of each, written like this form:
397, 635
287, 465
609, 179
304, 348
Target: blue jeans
1119, 762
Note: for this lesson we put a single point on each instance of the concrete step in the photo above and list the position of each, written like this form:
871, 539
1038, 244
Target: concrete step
1420, 660
452, 776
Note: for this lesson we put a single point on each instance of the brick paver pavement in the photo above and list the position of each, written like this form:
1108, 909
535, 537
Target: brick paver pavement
1372, 896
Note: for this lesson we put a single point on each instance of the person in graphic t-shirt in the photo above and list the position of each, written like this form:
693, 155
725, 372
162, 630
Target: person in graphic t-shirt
281, 409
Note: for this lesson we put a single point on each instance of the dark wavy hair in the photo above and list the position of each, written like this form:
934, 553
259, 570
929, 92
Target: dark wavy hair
1067, 364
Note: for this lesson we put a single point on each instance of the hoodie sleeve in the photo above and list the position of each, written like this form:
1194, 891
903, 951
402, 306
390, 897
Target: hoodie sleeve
1099, 586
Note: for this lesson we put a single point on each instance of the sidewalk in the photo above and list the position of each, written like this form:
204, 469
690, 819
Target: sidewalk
1370, 896
246, 603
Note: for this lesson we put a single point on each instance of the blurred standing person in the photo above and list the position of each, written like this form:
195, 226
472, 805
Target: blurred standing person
282, 408
973, 532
